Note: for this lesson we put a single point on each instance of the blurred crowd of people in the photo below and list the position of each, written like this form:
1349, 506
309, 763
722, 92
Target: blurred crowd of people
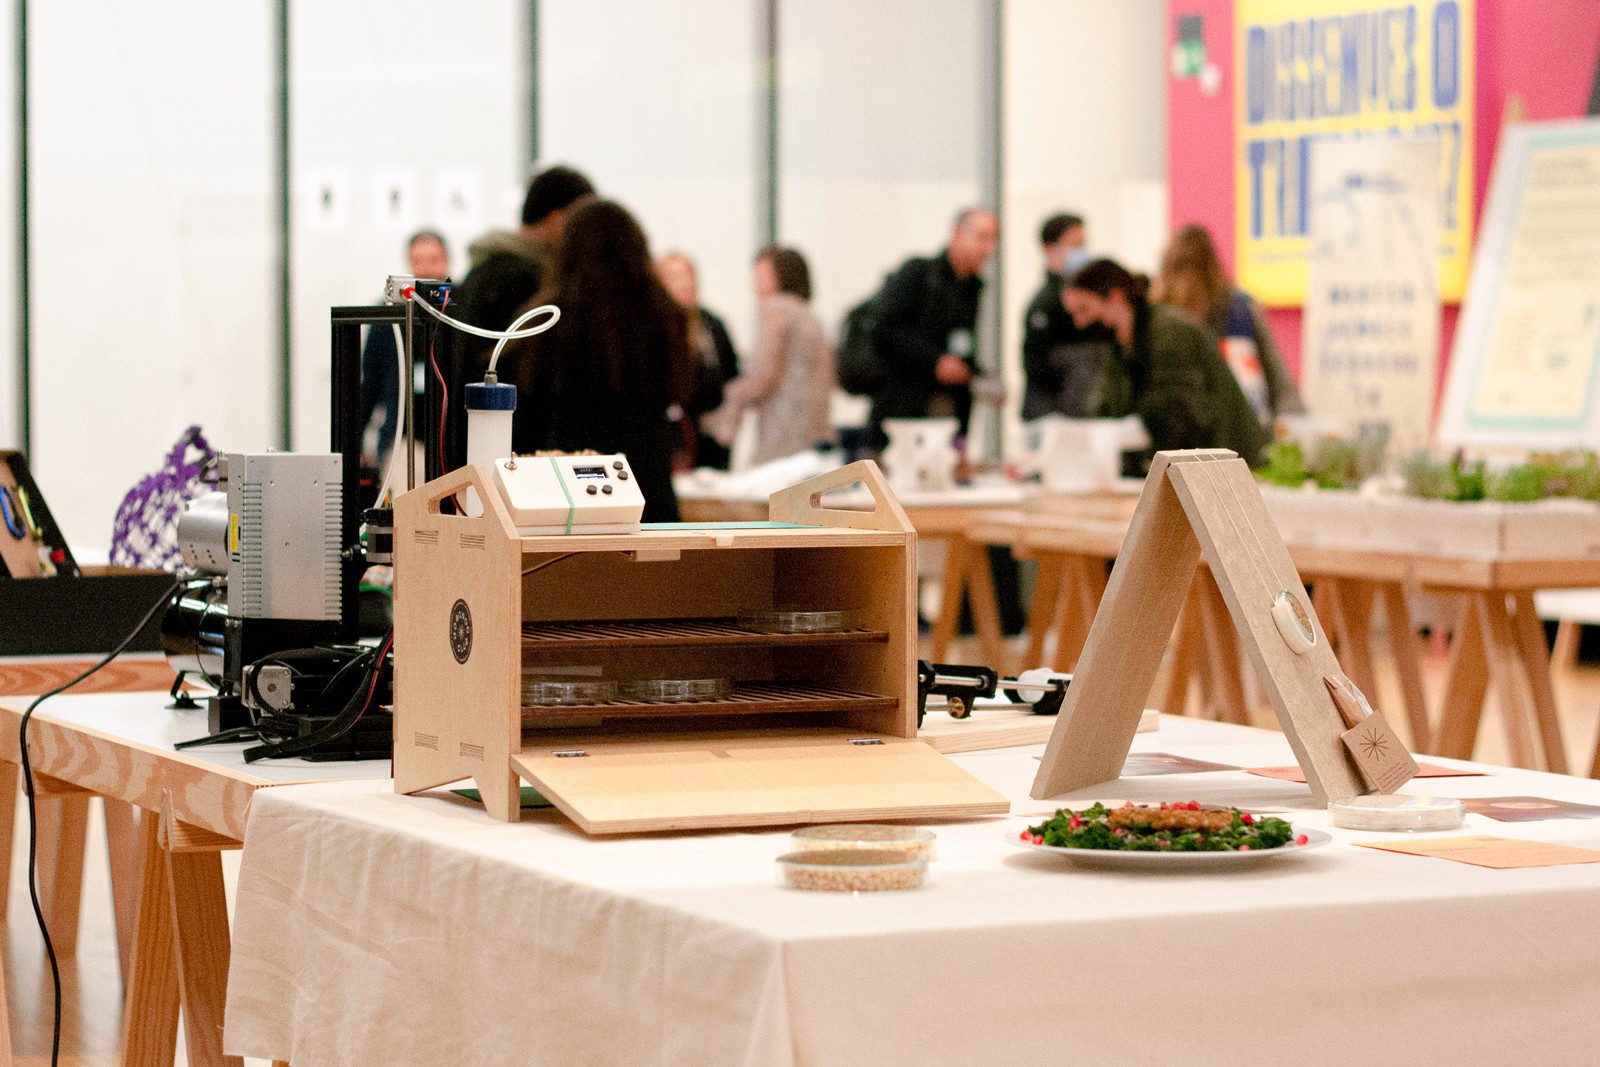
638, 365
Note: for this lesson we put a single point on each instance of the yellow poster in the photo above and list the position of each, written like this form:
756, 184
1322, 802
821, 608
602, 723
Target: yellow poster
1312, 70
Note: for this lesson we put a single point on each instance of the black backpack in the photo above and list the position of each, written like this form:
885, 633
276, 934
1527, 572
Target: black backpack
858, 365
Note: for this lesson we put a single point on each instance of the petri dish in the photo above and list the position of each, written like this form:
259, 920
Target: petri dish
1397, 814
676, 690
552, 693
849, 870
779, 621
864, 835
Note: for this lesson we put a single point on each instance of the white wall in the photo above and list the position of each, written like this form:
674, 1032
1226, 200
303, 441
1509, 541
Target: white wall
656, 103
879, 135
151, 242
154, 218
409, 116
1085, 131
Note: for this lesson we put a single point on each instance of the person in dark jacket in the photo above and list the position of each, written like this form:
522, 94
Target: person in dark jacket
716, 363
1167, 370
1193, 278
427, 257
608, 374
927, 314
1064, 364
505, 269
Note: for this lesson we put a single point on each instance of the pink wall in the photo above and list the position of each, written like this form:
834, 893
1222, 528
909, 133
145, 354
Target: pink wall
1543, 53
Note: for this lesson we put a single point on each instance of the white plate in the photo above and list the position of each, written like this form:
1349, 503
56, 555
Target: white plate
1107, 857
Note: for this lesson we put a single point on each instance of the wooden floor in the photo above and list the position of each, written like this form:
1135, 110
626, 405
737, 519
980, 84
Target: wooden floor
92, 988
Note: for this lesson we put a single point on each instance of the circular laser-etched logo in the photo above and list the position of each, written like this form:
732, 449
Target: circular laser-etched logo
460, 631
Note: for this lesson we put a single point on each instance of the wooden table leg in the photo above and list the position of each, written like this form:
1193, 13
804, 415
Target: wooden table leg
1406, 651
1042, 611
63, 832
1508, 678
1536, 666
1355, 634
1222, 648
1325, 602
200, 923
10, 773
122, 841
150, 1005
1088, 591
985, 608
5, 1021
1071, 630
1188, 639
1466, 685
966, 568
954, 583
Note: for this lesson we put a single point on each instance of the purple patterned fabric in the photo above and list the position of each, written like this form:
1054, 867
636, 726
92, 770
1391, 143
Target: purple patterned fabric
146, 531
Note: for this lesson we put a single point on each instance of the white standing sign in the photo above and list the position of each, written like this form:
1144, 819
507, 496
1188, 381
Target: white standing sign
1523, 371
1372, 298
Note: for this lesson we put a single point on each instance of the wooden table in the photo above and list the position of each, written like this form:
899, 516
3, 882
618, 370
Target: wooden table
191, 806
1498, 645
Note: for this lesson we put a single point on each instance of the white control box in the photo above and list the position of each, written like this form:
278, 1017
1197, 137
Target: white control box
570, 494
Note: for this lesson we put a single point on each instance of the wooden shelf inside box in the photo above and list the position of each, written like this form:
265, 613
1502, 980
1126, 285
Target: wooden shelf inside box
672, 633
747, 698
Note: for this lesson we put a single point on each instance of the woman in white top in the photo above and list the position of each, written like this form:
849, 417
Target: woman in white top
788, 379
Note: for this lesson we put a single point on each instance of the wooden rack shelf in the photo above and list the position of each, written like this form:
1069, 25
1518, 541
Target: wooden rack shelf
673, 633
747, 698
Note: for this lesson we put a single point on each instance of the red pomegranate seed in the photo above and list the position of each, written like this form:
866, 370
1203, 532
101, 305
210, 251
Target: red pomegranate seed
1302, 839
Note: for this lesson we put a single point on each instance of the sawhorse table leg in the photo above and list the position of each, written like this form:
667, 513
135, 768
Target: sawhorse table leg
966, 569
1500, 642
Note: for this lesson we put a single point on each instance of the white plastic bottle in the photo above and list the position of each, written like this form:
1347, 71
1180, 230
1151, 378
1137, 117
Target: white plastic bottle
490, 406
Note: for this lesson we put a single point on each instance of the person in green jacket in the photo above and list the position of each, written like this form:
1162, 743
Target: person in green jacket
1168, 371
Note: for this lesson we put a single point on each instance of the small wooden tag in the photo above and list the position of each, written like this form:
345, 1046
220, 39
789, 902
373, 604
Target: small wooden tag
1374, 748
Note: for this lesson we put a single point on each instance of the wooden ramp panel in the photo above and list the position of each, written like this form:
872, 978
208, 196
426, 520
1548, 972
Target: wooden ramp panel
1195, 503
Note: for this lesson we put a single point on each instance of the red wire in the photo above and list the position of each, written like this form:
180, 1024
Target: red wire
444, 403
383, 653
444, 389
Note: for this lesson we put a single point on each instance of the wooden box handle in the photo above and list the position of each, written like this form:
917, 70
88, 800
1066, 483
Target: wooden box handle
802, 503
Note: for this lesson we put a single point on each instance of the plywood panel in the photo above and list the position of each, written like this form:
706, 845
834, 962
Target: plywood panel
697, 782
1118, 667
1252, 566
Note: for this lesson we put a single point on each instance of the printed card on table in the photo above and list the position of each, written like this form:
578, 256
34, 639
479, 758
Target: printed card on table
1489, 851
1529, 809
1139, 764
1424, 770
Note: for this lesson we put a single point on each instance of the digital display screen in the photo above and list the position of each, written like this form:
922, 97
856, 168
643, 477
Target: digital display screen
588, 472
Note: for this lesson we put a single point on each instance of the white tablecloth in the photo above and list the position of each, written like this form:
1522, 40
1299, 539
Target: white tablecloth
375, 928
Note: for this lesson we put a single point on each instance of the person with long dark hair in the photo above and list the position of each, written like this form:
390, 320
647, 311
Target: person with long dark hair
1192, 278
789, 378
1168, 370
608, 375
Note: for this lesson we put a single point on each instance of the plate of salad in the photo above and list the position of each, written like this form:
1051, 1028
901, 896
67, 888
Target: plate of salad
1167, 836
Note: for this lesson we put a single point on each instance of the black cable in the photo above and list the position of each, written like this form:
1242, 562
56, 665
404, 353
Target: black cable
33, 816
341, 723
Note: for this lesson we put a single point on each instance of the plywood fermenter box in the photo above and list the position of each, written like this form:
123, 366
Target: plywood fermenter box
818, 727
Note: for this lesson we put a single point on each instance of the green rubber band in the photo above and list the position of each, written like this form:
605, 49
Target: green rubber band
563, 484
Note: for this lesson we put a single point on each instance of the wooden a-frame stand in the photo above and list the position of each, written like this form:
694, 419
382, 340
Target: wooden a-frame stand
1195, 503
